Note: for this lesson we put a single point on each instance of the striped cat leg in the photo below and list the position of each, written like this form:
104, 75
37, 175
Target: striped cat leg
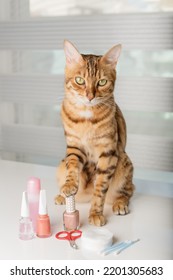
105, 169
75, 159
85, 188
123, 185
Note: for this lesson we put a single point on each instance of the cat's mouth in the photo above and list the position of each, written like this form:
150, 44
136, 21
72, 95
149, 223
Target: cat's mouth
83, 100
92, 102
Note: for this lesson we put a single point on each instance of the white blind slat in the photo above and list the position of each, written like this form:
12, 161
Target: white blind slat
134, 31
47, 141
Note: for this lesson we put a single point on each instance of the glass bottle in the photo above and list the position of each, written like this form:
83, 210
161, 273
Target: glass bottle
26, 231
71, 215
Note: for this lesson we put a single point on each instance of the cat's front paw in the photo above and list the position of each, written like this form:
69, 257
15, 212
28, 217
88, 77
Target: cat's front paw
69, 189
120, 208
59, 199
97, 220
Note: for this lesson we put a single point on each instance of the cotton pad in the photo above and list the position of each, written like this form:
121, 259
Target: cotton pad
96, 239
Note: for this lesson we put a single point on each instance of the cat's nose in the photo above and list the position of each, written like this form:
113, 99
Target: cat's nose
90, 96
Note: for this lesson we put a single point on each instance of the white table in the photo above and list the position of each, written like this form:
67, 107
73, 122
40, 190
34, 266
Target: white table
150, 219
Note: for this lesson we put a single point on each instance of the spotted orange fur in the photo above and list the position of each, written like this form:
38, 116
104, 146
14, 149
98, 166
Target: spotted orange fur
96, 167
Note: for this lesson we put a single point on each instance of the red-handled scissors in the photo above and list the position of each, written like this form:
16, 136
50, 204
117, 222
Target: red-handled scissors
71, 236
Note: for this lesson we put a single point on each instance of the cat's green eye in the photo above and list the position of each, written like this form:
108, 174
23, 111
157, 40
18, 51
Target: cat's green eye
102, 82
80, 81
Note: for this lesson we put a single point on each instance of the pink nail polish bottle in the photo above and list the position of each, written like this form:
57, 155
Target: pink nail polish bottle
43, 221
33, 191
71, 215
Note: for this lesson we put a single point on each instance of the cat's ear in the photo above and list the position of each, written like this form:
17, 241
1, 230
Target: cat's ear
71, 53
111, 57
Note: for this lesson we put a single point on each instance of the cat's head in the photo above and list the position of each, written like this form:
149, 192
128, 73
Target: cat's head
89, 79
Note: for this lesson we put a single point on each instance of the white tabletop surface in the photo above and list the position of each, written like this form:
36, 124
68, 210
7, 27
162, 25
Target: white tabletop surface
150, 220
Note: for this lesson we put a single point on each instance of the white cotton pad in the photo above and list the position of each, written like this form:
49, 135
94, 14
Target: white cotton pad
96, 239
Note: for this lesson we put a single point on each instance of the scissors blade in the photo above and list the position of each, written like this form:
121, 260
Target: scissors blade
73, 244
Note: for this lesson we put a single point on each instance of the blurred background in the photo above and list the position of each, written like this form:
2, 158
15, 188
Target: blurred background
32, 73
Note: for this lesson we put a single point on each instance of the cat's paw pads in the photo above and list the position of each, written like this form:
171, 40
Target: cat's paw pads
69, 189
97, 220
59, 200
120, 208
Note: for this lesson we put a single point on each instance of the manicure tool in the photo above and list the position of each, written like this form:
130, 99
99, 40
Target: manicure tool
118, 248
71, 236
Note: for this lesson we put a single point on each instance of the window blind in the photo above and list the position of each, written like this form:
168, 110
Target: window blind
134, 31
150, 139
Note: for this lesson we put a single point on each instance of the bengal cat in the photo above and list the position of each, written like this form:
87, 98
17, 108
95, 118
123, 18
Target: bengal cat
96, 167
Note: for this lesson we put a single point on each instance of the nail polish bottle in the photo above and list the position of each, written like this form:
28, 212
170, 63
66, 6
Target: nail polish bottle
26, 231
43, 222
33, 191
71, 215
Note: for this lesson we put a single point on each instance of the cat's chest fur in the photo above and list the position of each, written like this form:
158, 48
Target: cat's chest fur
87, 114
88, 126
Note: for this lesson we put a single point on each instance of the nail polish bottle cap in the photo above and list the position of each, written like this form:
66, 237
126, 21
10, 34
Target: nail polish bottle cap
70, 204
24, 206
42, 203
33, 185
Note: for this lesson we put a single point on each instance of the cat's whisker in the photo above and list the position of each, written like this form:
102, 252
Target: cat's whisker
99, 101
